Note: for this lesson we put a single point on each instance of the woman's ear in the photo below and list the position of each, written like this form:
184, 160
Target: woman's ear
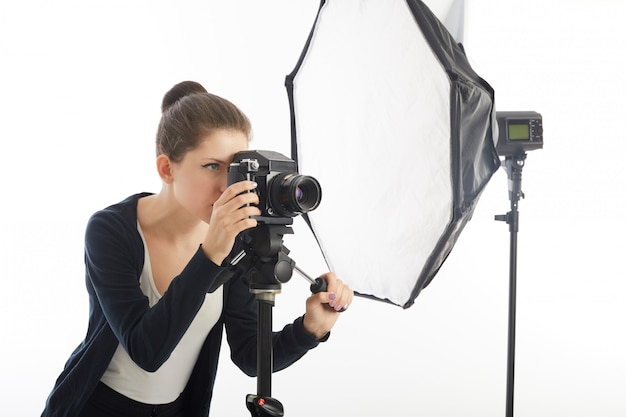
164, 168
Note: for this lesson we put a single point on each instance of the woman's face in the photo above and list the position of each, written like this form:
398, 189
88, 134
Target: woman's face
200, 177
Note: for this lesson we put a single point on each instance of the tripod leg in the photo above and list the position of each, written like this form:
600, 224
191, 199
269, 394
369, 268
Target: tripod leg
262, 404
265, 357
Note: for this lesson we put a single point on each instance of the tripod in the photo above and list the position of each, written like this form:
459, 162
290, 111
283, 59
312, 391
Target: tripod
265, 267
514, 165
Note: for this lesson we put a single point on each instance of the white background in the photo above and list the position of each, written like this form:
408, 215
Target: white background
80, 88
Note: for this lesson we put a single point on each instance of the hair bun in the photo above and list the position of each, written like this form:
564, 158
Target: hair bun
179, 91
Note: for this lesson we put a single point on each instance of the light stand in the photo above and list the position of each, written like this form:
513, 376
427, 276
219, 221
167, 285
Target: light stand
519, 131
514, 165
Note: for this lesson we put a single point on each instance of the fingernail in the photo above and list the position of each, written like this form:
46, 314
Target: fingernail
337, 307
254, 184
332, 296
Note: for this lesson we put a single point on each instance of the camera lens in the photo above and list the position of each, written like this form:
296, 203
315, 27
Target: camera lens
299, 194
293, 194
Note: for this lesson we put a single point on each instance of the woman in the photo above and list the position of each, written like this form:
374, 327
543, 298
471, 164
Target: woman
152, 264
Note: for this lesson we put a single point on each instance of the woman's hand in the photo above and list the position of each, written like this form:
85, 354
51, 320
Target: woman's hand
322, 309
231, 215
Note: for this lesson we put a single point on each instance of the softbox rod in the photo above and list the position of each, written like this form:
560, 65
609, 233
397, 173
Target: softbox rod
513, 165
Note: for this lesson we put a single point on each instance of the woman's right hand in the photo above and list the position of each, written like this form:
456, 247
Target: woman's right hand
231, 215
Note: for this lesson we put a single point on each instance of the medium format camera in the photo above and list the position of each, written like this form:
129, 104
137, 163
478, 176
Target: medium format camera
283, 193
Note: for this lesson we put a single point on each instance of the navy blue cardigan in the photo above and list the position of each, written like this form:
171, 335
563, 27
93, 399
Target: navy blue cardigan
119, 313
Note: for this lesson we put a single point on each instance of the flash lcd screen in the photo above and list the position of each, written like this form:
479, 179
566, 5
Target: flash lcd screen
519, 131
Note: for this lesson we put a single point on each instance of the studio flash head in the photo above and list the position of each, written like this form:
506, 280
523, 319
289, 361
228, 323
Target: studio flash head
283, 193
519, 131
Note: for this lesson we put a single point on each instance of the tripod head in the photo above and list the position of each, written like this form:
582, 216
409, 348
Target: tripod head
264, 262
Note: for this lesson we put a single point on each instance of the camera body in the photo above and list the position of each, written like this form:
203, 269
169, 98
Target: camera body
519, 131
283, 193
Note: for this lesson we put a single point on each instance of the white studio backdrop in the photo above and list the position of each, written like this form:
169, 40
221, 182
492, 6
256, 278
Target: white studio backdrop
80, 88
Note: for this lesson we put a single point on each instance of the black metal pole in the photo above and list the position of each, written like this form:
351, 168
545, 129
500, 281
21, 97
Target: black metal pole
514, 165
262, 404
265, 357
510, 380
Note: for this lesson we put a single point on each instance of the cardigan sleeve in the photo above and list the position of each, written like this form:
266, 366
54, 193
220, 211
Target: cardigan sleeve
114, 257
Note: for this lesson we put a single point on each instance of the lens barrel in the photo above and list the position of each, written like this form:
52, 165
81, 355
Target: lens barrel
294, 194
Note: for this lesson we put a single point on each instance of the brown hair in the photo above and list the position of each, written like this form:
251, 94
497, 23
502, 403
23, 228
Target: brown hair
189, 113
179, 91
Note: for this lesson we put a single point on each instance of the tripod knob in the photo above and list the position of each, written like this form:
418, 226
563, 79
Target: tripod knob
283, 268
319, 285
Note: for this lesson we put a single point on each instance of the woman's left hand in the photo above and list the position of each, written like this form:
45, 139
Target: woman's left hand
322, 309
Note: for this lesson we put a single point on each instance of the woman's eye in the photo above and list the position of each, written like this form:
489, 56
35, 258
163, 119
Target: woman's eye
211, 166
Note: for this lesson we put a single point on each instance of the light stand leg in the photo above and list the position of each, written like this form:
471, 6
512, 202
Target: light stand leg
514, 165
514, 217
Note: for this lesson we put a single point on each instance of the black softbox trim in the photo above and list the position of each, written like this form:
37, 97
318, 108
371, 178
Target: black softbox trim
473, 132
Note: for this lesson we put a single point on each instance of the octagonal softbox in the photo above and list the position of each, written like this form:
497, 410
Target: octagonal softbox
389, 116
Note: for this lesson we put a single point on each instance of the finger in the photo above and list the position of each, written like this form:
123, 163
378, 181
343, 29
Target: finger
244, 212
242, 219
241, 187
331, 281
343, 296
333, 291
335, 286
239, 207
342, 300
334, 301
245, 199
229, 215
244, 224
347, 297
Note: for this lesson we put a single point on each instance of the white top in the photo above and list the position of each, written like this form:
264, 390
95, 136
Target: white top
167, 383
